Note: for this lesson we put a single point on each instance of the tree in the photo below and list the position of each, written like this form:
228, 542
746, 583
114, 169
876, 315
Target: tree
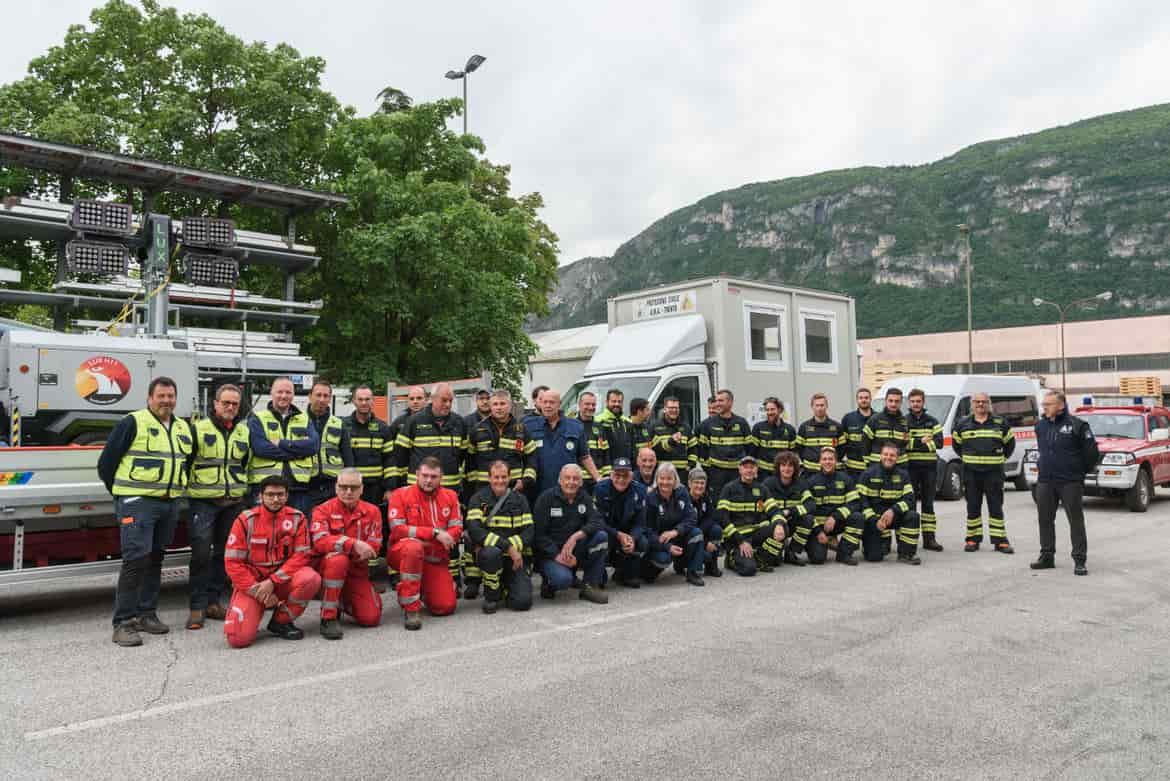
436, 265
174, 88
393, 100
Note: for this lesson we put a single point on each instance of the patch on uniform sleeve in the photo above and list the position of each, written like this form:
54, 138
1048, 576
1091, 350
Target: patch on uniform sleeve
570, 445
129, 519
231, 539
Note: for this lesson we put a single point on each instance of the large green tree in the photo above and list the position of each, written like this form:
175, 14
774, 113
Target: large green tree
179, 88
436, 264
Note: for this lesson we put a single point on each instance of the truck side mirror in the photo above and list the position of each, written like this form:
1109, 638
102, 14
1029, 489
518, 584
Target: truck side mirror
1160, 435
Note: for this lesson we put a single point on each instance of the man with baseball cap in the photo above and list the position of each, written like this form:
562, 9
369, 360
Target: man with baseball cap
753, 532
621, 503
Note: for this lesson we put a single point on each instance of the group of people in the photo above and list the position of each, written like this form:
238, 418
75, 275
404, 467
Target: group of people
287, 506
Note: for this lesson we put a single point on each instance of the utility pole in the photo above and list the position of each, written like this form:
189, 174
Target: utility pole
965, 235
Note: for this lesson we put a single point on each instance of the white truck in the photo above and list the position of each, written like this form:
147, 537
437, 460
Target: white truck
691, 338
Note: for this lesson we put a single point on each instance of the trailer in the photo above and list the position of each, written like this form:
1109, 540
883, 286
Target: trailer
689, 339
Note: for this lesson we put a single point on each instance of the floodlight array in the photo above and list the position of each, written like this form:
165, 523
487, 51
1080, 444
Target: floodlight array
212, 270
93, 216
97, 257
211, 232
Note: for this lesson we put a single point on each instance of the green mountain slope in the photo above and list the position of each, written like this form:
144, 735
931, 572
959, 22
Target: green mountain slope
1062, 214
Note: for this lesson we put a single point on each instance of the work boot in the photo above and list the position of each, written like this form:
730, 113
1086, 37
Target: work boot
151, 625
631, 583
215, 611
792, 557
126, 634
764, 566
971, 546
591, 593
846, 558
1005, 547
288, 631
381, 587
490, 606
547, 592
908, 558
929, 542
331, 629
695, 579
1046, 561
711, 569
471, 591
412, 620
196, 618
1079, 568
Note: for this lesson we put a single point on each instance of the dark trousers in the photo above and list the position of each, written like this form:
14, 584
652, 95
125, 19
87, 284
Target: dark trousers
590, 555
147, 527
628, 566
209, 527
873, 546
1071, 495
766, 551
658, 556
924, 479
500, 579
717, 478
848, 534
977, 486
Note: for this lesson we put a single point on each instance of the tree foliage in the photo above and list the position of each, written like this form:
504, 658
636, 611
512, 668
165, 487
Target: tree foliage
436, 264
428, 274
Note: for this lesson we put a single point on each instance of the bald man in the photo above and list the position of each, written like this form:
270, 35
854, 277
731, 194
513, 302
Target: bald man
559, 441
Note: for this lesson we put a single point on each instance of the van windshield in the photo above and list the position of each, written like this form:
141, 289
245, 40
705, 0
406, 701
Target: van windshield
939, 406
631, 388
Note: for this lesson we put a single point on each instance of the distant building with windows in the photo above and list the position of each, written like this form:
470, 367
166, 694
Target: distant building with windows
1099, 352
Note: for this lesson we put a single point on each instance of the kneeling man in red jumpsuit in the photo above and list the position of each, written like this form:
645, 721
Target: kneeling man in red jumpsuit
268, 560
424, 525
346, 533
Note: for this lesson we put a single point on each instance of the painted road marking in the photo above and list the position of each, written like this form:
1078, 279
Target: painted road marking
339, 675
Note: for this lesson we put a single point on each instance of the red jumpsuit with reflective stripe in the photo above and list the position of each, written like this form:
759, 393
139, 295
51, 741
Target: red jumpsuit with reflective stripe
415, 552
346, 580
264, 545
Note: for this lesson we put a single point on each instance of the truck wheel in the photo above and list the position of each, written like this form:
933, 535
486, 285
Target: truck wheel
1137, 499
952, 482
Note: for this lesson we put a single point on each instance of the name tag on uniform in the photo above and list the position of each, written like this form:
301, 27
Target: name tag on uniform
555, 512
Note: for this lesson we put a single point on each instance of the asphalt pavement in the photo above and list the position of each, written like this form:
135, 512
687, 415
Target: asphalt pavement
970, 666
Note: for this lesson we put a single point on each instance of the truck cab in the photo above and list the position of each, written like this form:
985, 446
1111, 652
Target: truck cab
653, 360
1134, 442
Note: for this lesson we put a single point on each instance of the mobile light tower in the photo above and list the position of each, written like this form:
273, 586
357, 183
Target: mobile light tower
1063, 310
472, 65
965, 250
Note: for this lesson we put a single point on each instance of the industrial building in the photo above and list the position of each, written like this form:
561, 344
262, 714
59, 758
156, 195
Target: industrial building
1099, 352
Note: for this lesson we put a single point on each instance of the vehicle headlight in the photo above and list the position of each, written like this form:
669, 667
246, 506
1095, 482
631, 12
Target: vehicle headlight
1032, 456
1118, 459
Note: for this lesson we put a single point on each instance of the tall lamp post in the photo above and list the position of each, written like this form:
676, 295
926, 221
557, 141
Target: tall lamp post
472, 65
1063, 310
965, 235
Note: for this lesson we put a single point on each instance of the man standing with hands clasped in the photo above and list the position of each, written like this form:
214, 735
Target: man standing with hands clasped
1068, 450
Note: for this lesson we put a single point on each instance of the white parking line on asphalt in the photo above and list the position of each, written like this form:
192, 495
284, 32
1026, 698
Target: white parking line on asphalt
336, 675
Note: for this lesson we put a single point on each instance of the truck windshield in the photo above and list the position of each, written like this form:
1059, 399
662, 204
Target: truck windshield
631, 388
939, 406
1117, 426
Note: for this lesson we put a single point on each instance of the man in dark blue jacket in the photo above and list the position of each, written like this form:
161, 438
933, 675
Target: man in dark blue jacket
1068, 451
621, 503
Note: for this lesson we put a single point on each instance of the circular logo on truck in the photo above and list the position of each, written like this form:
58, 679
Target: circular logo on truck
102, 380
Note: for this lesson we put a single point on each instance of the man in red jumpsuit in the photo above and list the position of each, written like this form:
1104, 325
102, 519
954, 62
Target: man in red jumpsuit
346, 533
268, 560
424, 525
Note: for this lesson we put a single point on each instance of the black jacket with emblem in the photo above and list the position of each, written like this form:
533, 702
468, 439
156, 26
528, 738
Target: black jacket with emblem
813, 435
509, 527
424, 435
723, 441
743, 509
555, 519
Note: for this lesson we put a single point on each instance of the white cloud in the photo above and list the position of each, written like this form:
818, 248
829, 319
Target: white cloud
621, 112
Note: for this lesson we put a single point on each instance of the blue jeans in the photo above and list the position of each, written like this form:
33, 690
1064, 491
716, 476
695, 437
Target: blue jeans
590, 556
658, 558
714, 534
208, 529
147, 527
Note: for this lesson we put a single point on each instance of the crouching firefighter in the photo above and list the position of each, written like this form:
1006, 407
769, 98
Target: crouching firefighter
838, 512
499, 526
887, 500
674, 533
793, 502
752, 531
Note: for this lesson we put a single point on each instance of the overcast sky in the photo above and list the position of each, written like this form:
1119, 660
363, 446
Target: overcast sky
619, 112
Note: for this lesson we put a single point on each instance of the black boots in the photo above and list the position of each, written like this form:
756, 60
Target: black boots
929, 542
1044, 562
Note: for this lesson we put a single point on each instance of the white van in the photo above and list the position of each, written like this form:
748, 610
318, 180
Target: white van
948, 398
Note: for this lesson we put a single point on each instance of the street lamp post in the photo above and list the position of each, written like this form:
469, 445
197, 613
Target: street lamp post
1063, 310
472, 65
965, 233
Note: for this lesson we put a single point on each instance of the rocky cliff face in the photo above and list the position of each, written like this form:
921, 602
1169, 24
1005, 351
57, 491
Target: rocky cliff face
1062, 214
